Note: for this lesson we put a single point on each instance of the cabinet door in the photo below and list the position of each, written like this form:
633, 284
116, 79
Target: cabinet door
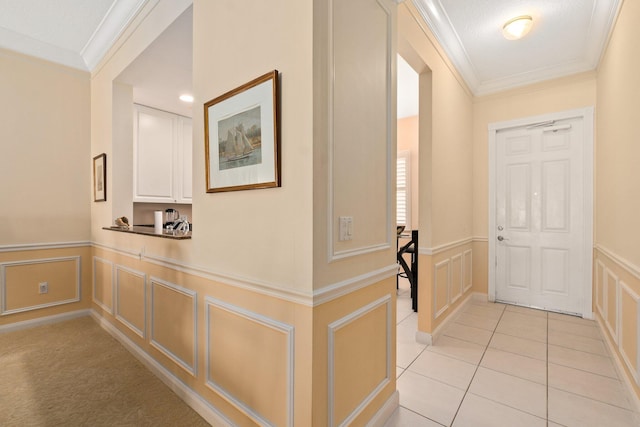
154, 155
185, 145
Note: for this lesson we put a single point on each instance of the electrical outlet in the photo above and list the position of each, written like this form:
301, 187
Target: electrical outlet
43, 287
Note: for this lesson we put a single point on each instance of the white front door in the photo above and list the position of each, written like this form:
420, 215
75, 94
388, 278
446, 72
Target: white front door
541, 233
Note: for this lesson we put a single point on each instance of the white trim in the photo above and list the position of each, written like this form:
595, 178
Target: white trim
311, 299
386, 411
427, 338
480, 239
588, 206
276, 325
42, 246
458, 286
115, 21
3, 284
600, 288
447, 262
184, 392
337, 290
331, 330
614, 333
470, 284
444, 247
99, 303
25, 324
636, 372
142, 333
193, 367
334, 255
627, 265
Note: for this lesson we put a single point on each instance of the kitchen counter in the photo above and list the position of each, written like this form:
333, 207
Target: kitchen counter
150, 231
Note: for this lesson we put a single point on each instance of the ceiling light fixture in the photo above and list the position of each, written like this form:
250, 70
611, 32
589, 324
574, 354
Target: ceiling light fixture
186, 98
517, 28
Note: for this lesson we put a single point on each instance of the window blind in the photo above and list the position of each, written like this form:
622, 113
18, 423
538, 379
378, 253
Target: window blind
403, 189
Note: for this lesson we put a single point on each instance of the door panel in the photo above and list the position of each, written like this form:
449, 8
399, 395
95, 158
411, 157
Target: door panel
539, 219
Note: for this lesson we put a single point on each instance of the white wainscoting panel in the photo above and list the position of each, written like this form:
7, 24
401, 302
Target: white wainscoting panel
390, 370
626, 291
259, 319
189, 365
107, 306
3, 284
120, 315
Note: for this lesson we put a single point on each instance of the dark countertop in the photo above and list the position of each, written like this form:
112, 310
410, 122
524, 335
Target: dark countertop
150, 231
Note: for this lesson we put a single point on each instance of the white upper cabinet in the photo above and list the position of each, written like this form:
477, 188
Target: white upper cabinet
162, 157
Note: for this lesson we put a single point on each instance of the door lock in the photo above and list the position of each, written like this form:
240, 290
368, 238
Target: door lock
500, 228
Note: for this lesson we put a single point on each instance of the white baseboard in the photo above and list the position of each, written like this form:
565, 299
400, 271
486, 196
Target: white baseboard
190, 397
427, 338
619, 364
385, 412
43, 320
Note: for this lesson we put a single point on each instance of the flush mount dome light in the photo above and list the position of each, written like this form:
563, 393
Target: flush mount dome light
186, 98
517, 28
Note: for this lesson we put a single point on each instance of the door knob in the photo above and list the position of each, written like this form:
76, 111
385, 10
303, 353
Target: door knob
500, 238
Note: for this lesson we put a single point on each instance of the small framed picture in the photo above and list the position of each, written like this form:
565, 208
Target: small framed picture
242, 147
100, 178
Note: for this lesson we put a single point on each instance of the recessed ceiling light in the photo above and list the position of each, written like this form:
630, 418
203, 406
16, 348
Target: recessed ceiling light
517, 28
186, 98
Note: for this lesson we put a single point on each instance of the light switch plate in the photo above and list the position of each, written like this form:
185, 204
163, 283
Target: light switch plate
346, 228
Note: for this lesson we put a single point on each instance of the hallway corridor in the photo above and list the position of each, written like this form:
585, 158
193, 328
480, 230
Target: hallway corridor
498, 365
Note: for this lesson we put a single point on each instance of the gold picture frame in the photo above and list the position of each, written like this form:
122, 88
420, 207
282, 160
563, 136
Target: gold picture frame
242, 143
100, 178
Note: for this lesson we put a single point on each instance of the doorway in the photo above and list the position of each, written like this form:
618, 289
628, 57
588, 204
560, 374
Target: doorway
541, 212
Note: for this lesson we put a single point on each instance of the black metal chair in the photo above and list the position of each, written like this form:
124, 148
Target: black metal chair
410, 272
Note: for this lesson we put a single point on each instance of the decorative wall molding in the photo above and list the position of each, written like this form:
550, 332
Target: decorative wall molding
286, 329
105, 307
441, 265
334, 255
3, 284
467, 268
456, 286
43, 246
625, 289
337, 290
47, 320
142, 333
444, 247
600, 289
189, 366
212, 415
611, 280
317, 297
622, 262
332, 329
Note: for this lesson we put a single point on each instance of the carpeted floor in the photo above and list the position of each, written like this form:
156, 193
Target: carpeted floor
74, 373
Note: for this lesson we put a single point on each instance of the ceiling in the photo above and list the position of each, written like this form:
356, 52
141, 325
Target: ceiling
568, 37
76, 33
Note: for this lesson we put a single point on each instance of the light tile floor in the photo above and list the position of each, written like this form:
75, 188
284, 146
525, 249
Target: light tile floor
500, 365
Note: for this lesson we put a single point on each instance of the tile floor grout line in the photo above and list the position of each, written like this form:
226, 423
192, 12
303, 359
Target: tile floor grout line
476, 370
591, 398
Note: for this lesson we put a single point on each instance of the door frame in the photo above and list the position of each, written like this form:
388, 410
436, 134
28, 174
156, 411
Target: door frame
588, 207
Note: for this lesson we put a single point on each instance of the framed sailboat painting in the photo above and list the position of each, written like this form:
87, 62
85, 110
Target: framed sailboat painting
242, 144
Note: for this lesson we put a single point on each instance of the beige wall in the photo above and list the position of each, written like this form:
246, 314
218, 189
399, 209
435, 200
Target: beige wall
617, 148
617, 186
45, 166
445, 173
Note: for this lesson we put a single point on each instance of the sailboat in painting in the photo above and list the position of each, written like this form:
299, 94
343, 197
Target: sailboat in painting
237, 145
